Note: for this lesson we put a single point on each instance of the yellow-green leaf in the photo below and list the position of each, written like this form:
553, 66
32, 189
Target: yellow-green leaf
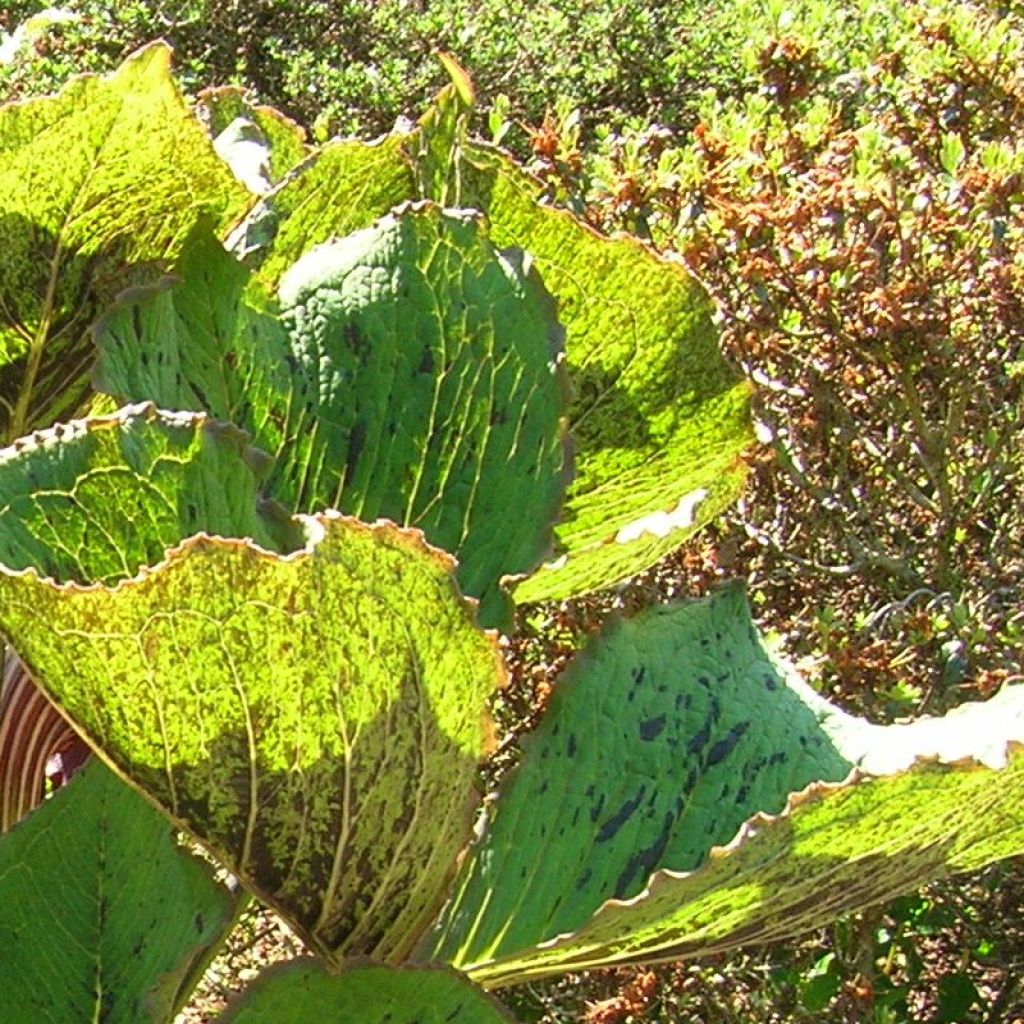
97, 184
314, 717
658, 421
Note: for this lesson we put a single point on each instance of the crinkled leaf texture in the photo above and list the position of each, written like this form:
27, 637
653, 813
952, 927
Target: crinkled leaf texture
684, 795
308, 705
407, 371
659, 422
98, 183
301, 991
104, 916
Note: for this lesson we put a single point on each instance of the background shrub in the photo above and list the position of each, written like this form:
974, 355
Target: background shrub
858, 219
349, 66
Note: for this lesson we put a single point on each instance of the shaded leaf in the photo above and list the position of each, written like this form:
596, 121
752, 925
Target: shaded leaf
412, 375
102, 915
314, 718
671, 737
302, 991
97, 183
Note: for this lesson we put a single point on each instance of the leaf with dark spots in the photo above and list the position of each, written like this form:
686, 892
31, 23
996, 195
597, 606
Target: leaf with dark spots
669, 737
727, 744
652, 728
323, 374
793, 838
639, 867
700, 740
621, 816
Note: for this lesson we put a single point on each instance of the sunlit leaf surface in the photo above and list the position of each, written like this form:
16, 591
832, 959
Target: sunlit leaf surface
675, 735
314, 716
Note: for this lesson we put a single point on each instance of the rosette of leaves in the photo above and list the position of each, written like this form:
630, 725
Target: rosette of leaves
256, 590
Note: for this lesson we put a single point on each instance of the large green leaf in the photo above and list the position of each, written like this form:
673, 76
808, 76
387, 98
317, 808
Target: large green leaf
302, 991
659, 422
833, 851
314, 718
412, 374
103, 917
670, 736
97, 182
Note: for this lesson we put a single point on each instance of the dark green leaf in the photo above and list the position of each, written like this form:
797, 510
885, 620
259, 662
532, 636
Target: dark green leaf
412, 375
660, 810
103, 917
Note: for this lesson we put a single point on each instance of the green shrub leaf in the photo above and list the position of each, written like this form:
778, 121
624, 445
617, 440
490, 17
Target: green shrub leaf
302, 991
105, 917
675, 735
411, 374
97, 183
313, 717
